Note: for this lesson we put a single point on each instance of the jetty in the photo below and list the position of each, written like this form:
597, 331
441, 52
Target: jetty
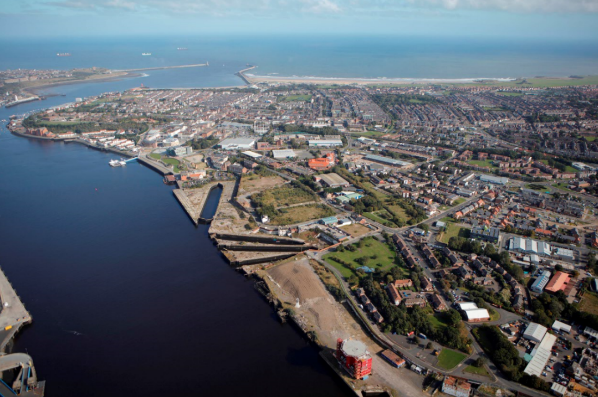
193, 200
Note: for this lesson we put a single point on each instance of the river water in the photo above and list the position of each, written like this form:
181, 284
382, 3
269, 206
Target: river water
128, 297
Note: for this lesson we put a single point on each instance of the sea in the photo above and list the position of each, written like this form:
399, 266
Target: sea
128, 297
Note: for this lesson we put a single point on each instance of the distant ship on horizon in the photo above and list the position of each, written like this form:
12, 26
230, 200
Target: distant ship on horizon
146, 54
63, 54
182, 48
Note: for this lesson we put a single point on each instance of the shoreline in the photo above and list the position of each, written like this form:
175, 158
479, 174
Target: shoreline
103, 79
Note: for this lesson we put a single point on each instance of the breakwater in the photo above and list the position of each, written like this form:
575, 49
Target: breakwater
259, 239
266, 248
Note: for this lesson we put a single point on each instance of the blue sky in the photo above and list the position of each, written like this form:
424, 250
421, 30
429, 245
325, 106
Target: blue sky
551, 19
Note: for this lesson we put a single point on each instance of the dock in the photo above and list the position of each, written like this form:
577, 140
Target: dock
193, 201
13, 313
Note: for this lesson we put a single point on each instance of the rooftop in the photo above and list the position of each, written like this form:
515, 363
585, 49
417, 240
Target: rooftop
354, 348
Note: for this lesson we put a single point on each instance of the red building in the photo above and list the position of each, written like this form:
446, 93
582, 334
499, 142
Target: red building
354, 357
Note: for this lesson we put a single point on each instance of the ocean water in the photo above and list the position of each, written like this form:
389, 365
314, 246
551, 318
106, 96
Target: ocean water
331, 56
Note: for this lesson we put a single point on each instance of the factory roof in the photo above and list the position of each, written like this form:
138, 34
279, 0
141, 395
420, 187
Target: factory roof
476, 314
540, 356
559, 326
494, 179
283, 154
535, 331
251, 154
467, 305
386, 160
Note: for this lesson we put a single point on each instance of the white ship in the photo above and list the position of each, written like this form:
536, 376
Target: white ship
146, 54
117, 163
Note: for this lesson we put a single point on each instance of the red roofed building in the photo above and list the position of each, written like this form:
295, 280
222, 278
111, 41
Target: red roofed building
354, 357
403, 283
395, 298
558, 282
456, 387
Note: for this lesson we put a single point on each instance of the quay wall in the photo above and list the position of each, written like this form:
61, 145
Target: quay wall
256, 261
259, 239
266, 248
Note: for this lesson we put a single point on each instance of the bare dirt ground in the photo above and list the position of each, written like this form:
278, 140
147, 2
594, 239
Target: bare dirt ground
356, 230
298, 286
256, 183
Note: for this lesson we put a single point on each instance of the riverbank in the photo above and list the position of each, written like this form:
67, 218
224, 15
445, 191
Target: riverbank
100, 78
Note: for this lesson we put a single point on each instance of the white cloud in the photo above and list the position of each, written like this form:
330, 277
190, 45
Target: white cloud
526, 6
320, 6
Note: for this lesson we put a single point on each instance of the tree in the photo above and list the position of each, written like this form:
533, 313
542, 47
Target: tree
480, 362
425, 227
429, 345
416, 340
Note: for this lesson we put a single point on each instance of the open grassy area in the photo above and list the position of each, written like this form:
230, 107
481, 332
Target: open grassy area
399, 212
302, 213
295, 98
368, 252
589, 303
495, 109
452, 231
437, 320
155, 156
482, 163
377, 216
562, 186
510, 93
475, 370
449, 359
282, 196
460, 200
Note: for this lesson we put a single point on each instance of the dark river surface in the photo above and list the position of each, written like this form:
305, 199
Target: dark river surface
128, 298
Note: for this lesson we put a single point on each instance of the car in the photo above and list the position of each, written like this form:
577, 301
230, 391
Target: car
544, 374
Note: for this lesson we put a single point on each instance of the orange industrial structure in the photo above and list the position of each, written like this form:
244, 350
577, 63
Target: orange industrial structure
558, 282
354, 357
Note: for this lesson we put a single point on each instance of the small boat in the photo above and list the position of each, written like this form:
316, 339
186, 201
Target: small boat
117, 163
146, 54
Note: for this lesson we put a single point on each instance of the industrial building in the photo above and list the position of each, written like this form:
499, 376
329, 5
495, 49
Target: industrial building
494, 179
564, 253
540, 355
284, 154
392, 358
529, 246
332, 180
325, 142
456, 387
473, 313
354, 358
237, 143
561, 327
535, 332
558, 282
491, 234
387, 160
541, 281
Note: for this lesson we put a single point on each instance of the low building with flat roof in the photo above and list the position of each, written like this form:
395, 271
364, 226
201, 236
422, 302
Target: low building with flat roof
494, 179
237, 143
332, 180
491, 234
541, 281
535, 332
284, 154
325, 142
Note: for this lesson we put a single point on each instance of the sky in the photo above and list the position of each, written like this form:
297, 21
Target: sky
545, 19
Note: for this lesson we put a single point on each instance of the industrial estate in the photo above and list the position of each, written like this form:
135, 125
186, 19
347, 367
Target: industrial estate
426, 238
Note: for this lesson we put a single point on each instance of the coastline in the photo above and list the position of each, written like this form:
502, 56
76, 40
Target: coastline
35, 90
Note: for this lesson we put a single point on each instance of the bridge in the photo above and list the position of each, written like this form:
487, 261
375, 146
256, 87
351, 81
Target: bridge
25, 383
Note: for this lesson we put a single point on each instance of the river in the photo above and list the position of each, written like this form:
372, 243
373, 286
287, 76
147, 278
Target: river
128, 297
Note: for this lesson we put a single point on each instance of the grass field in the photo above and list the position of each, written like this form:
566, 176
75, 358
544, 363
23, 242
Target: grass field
510, 93
482, 163
589, 303
562, 186
155, 156
375, 216
379, 256
449, 359
437, 320
399, 212
460, 200
282, 196
495, 109
302, 213
475, 370
295, 98
452, 231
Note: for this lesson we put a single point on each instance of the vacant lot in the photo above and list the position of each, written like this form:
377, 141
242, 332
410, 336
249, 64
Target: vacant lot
449, 359
302, 213
453, 230
282, 196
356, 229
253, 182
589, 303
368, 252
